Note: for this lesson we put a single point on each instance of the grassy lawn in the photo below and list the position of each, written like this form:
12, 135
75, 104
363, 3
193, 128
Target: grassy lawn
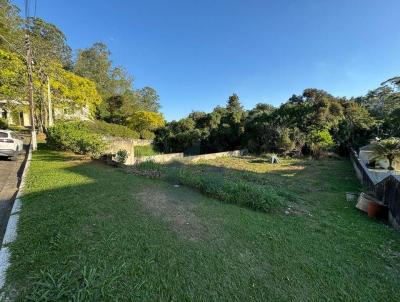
89, 232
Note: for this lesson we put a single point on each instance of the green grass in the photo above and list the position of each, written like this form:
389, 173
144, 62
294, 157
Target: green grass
145, 151
89, 232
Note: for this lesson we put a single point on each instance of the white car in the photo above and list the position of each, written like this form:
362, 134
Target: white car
11, 144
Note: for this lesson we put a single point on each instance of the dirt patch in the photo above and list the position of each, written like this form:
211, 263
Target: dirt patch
176, 210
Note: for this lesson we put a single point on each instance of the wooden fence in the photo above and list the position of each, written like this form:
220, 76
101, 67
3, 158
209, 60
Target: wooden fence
386, 190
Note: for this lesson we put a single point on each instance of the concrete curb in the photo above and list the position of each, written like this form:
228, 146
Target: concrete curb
11, 230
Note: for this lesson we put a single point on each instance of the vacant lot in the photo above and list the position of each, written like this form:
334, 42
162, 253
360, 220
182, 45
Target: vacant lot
89, 232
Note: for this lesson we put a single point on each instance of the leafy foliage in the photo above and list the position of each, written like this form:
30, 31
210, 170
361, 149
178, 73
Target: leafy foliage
320, 140
314, 121
12, 75
122, 156
3, 124
145, 122
76, 137
104, 128
387, 148
239, 192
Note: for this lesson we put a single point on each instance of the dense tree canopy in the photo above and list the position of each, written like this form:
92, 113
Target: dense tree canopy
312, 122
10, 27
12, 76
49, 44
91, 80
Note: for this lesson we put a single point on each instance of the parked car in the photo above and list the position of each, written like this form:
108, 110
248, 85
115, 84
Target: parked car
11, 144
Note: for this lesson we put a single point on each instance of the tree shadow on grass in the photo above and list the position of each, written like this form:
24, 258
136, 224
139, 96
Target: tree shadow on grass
88, 240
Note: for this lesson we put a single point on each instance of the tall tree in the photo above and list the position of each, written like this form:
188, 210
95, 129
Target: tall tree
11, 35
95, 63
148, 99
49, 43
12, 76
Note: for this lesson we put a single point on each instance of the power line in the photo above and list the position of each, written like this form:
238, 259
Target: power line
34, 14
26, 9
12, 46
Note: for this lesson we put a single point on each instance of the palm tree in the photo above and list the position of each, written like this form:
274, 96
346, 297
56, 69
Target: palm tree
387, 148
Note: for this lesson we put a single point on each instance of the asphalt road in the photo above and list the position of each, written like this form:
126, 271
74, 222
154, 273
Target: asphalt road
10, 173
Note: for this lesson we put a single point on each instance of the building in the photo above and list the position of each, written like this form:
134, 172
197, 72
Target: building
17, 113
366, 154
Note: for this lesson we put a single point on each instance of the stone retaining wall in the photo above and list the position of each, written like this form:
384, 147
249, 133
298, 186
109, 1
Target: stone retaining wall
209, 156
165, 158
162, 158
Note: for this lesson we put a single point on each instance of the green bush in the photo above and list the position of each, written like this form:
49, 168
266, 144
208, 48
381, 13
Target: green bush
76, 137
146, 134
320, 141
3, 123
239, 192
108, 129
122, 156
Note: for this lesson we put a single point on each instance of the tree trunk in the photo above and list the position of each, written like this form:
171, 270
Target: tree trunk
390, 158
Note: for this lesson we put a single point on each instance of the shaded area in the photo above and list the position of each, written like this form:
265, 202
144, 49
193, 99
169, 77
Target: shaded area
10, 178
85, 234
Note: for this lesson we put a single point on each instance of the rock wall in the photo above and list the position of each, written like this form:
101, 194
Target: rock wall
165, 158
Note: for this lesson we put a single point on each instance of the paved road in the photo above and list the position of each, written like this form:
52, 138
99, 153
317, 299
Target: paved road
10, 173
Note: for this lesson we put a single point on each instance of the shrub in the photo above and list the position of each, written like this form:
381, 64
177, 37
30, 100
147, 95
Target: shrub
3, 123
149, 169
104, 128
239, 192
320, 140
236, 191
76, 137
147, 134
122, 156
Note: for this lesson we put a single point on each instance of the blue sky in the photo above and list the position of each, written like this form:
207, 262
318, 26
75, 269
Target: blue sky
197, 53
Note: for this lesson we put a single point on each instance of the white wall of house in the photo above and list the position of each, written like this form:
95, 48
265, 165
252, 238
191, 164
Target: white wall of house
22, 117
70, 113
366, 155
16, 118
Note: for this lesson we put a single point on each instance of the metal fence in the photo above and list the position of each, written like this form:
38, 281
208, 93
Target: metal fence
387, 190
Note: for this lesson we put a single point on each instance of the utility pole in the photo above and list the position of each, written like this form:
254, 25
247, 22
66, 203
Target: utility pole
30, 91
50, 109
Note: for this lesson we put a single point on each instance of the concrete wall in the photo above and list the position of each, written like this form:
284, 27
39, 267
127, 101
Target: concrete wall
165, 158
162, 158
210, 156
142, 142
115, 144
366, 155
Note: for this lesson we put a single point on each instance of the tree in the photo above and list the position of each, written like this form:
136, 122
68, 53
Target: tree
67, 86
148, 99
49, 44
387, 148
381, 101
355, 128
12, 76
319, 141
141, 121
94, 63
233, 104
10, 27
392, 123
